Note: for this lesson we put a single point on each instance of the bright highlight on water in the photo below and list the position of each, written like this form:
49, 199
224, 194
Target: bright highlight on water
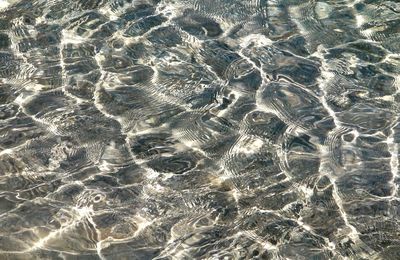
199, 129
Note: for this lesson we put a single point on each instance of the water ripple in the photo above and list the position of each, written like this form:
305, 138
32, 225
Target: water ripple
160, 129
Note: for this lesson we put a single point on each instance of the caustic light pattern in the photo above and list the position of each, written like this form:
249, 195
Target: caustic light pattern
199, 129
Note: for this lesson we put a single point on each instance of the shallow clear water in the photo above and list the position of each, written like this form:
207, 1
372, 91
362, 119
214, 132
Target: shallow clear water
199, 129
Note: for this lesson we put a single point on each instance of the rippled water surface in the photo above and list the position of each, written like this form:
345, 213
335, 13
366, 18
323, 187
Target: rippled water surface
199, 129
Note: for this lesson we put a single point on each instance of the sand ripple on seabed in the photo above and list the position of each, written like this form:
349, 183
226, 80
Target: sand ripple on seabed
188, 129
